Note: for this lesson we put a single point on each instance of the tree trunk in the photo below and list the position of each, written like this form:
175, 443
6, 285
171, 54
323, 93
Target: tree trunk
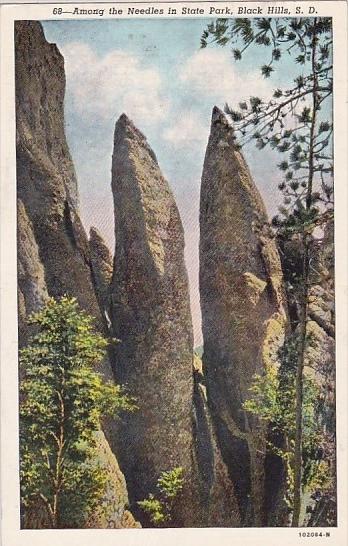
299, 389
59, 462
303, 312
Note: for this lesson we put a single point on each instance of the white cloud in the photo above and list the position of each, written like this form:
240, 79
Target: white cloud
188, 130
213, 73
115, 83
208, 77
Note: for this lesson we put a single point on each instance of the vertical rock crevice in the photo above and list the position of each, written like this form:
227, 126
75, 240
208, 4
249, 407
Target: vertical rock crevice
191, 420
102, 267
217, 493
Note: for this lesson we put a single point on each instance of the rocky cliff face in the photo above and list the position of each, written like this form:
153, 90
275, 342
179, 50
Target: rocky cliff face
113, 511
151, 316
53, 250
148, 302
243, 309
46, 181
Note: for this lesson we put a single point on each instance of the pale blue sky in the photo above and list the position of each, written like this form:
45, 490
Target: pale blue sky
154, 71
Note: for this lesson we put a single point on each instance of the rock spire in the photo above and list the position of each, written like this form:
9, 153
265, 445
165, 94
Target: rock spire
151, 316
243, 308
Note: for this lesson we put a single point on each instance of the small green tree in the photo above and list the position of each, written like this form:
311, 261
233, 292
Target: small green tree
62, 401
159, 508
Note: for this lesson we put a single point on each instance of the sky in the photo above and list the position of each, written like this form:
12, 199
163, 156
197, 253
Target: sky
155, 72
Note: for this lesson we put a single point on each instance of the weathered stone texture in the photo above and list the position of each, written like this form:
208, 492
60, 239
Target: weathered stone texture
243, 308
322, 277
151, 317
32, 290
112, 512
46, 181
322, 291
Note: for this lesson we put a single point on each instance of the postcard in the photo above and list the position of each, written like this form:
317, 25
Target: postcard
174, 273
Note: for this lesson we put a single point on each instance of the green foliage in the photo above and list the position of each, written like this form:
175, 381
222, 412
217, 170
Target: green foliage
62, 402
169, 484
84, 488
266, 70
273, 400
155, 509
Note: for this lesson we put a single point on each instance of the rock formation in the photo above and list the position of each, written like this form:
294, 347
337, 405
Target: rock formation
46, 181
53, 249
113, 512
150, 304
151, 317
243, 309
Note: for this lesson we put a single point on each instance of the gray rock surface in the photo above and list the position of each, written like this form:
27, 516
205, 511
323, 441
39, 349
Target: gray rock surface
151, 316
112, 512
46, 180
243, 309
322, 292
32, 289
